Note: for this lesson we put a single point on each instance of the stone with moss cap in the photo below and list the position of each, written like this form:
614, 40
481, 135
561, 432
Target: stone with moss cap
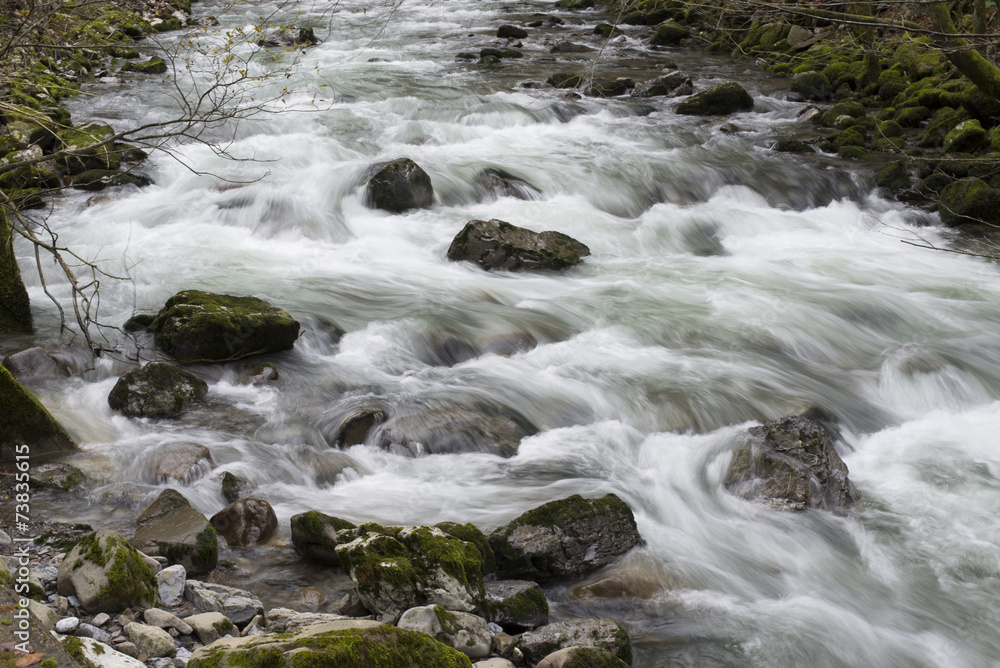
496, 244
107, 574
791, 463
154, 65
565, 538
726, 98
669, 33
470, 533
338, 644
315, 535
466, 632
205, 327
516, 605
79, 140
966, 137
26, 422
157, 390
169, 527
397, 568
15, 309
605, 633
970, 201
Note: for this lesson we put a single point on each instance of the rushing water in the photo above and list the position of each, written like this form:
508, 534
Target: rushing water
728, 284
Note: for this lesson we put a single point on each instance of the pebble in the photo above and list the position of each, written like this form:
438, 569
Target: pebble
5, 540
67, 624
62, 605
495, 628
101, 619
91, 631
74, 601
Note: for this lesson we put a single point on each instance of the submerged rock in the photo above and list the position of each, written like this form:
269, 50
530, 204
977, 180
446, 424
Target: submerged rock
465, 632
196, 326
671, 84
791, 464
497, 183
354, 428
398, 568
246, 522
315, 535
33, 364
348, 643
291, 36
157, 390
604, 633
107, 574
27, 422
169, 527
565, 538
495, 244
399, 186
181, 463
455, 429
727, 98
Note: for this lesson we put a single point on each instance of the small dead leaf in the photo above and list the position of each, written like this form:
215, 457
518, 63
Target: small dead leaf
29, 660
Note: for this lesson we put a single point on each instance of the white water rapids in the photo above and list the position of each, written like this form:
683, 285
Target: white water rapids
728, 284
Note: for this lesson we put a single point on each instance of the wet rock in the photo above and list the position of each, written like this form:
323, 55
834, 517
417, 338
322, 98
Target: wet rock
511, 32
57, 476
150, 640
569, 47
171, 528
154, 65
157, 390
351, 605
791, 464
139, 322
98, 179
315, 536
287, 37
399, 186
969, 201
671, 84
238, 605
170, 582
354, 429
506, 345
79, 140
593, 657
232, 487
604, 633
621, 581
308, 598
610, 87
210, 626
26, 421
348, 643
465, 632
201, 326
787, 145
496, 244
564, 80
106, 574
565, 538
894, 176
455, 429
261, 374
397, 568
516, 605
246, 522
181, 463
496, 183
285, 620
670, 33
34, 364
606, 30
727, 98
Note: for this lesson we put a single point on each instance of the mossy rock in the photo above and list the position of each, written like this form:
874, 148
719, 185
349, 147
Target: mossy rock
889, 129
470, 533
812, 86
918, 57
516, 605
932, 185
154, 65
315, 535
853, 152
966, 137
607, 30
337, 644
788, 145
565, 538
15, 308
609, 88
564, 80
157, 390
726, 98
670, 33
853, 136
169, 527
107, 574
938, 127
27, 422
80, 140
500, 53
894, 176
911, 117
970, 201
196, 326
851, 108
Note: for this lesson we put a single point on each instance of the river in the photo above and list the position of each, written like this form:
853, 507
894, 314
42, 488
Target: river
728, 284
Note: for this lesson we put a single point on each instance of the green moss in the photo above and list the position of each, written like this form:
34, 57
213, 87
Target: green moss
528, 604
154, 65
812, 86
910, 117
966, 137
15, 310
470, 533
74, 647
207, 545
449, 624
970, 201
129, 578
725, 98
852, 152
49, 663
938, 127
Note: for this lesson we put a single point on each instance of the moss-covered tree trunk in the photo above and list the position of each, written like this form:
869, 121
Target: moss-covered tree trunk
15, 310
962, 55
866, 35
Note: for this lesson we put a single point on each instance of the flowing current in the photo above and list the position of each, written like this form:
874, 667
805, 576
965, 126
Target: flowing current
728, 284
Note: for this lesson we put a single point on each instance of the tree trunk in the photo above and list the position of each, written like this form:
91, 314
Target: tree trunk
15, 310
979, 17
961, 54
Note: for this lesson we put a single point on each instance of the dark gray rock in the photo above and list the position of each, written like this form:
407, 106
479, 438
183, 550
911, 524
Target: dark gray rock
455, 429
496, 183
246, 522
354, 428
511, 32
671, 84
604, 633
516, 605
570, 47
34, 364
495, 244
315, 536
399, 186
169, 527
288, 37
157, 390
726, 98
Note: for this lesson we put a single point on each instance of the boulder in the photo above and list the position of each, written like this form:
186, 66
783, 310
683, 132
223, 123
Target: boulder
582, 657
287, 37
812, 86
610, 87
564, 80
398, 186
98, 179
26, 421
284, 620
170, 582
969, 201
150, 640
180, 463
603, 633
569, 47
726, 98
354, 428
397, 568
90, 652
495, 244
106, 574
565, 538
671, 84
201, 326
470, 533
34, 364
210, 626
791, 463
154, 65
516, 605
670, 33
238, 605
894, 176
454, 429
511, 32
966, 137
232, 487
157, 390
15, 309
57, 475
79, 140
344, 644
797, 35
246, 522
315, 536
169, 527
465, 632
162, 619
787, 145
496, 183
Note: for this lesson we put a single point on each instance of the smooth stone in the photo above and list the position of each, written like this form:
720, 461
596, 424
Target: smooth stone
166, 620
171, 583
68, 625
101, 619
150, 640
